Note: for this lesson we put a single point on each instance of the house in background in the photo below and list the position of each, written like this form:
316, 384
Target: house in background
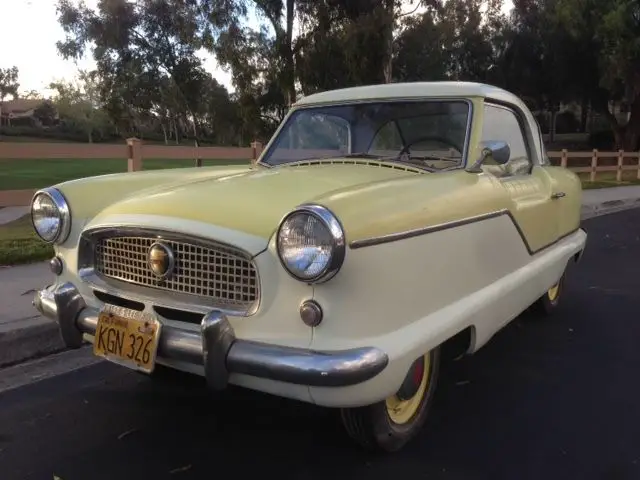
27, 111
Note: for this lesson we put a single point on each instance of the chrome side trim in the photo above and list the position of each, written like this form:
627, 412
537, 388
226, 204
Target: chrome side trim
394, 237
216, 348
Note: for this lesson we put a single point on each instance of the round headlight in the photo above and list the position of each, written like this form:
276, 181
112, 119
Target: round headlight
311, 243
50, 215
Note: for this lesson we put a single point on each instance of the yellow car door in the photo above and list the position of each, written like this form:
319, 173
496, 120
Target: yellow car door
528, 185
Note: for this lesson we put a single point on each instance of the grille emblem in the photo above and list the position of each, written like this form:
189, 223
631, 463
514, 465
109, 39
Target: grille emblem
161, 260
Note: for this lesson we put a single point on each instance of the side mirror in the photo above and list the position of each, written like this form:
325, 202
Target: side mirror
497, 150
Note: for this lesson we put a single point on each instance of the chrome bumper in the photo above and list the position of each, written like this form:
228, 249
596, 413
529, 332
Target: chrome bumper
216, 348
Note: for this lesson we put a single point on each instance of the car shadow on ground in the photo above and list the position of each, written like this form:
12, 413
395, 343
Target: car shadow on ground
483, 404
545, 398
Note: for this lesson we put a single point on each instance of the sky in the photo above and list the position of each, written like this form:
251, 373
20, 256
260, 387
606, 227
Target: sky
37, 57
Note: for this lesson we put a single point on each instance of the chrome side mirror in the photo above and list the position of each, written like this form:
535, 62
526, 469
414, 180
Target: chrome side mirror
497, 150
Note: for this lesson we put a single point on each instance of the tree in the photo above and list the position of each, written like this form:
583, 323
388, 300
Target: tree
32, 95
262, 60
140, 48
608, 31
78, 104
8, 84
452, 41
539, 61
46, 113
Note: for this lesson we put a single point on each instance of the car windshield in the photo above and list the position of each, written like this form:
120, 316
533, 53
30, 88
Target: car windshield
431, 134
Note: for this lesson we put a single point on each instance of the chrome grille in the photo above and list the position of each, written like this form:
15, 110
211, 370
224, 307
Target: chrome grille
217, 272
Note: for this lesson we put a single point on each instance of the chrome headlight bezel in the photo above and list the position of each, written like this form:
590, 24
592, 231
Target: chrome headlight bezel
64, 213
334, 227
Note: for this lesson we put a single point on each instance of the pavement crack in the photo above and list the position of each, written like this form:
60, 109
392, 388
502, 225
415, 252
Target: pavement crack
127, 433
180, 469
22, 319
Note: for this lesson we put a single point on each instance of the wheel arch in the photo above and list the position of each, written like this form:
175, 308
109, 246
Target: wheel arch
462, 343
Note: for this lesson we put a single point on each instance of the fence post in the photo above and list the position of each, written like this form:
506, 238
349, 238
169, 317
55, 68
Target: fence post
620, 162
594, 165
638, 175
256, 150
564, 158
134, 162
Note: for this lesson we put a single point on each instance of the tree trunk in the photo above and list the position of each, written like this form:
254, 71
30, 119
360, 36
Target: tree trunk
626, 136
289, 73
164, 132
632, 130
389, 22
584, 114
552, 124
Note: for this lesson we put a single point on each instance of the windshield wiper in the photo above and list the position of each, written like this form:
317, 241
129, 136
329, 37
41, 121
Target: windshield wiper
435, 157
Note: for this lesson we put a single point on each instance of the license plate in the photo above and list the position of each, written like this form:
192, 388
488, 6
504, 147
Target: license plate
127, 337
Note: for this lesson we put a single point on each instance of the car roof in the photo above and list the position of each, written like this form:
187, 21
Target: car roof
411, 90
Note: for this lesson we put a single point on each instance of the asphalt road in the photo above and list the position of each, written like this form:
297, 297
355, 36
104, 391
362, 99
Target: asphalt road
546, 399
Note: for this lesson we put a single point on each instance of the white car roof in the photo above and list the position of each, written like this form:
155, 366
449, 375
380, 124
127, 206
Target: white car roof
411, 90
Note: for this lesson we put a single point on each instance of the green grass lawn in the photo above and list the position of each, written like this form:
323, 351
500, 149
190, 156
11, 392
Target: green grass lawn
26, 174
608, 179
20, 244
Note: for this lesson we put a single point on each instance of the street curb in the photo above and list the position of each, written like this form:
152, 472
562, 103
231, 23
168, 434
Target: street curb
44, 339
611, 206
30, 342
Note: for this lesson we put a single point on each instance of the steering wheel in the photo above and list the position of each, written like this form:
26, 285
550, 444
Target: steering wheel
446, 141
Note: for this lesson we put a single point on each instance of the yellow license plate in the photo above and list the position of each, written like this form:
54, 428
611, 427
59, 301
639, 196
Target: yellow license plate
127, 337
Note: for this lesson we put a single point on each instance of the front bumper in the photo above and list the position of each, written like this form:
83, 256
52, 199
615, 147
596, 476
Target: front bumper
217, 349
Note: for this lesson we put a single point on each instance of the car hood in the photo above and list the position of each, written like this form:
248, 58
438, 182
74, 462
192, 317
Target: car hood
252, 202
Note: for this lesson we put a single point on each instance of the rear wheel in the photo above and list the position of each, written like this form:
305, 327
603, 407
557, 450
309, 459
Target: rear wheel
388, 425
548, 303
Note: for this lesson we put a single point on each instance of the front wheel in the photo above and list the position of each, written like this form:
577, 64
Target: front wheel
388, 425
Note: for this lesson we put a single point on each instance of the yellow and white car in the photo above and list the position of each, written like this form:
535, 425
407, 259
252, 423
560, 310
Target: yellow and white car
378, 223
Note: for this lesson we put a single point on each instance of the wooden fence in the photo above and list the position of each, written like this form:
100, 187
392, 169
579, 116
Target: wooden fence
592, 166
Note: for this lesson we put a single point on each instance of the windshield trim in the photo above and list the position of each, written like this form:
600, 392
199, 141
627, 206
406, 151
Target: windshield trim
467, 140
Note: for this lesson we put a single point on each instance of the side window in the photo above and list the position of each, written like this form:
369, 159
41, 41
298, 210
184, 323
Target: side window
502, 124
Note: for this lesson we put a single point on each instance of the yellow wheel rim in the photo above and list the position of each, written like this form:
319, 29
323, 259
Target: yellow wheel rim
553, 292
402, 411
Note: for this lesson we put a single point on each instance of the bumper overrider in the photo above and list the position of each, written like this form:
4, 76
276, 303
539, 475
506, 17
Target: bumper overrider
217, 349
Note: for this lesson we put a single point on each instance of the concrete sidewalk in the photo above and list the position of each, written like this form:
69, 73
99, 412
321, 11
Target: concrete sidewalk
24, 334
9, 214
600, 201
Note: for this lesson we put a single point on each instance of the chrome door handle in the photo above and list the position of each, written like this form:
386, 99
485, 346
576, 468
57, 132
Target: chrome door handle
555, 196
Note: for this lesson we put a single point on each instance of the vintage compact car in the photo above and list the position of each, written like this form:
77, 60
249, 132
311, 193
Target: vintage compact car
378, 223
